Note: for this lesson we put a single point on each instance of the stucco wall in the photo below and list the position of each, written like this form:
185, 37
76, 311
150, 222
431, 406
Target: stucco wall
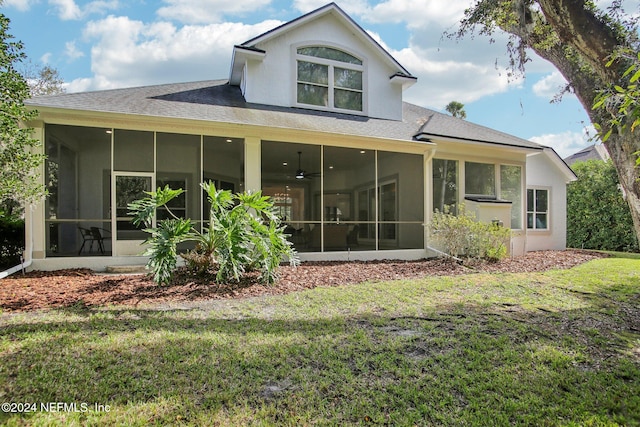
273, 80
543, 173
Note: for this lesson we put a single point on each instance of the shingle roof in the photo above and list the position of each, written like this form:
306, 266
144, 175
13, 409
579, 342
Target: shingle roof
217, 101
592, 152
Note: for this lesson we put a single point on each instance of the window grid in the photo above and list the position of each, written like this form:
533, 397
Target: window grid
333, 81
537, 209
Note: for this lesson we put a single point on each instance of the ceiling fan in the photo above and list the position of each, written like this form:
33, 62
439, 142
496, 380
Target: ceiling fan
301, 173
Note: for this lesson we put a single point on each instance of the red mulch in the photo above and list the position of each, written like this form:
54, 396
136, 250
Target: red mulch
82, 287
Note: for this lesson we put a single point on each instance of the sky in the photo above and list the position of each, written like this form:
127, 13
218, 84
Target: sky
107, 44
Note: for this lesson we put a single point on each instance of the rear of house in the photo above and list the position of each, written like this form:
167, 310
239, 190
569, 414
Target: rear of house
318, 124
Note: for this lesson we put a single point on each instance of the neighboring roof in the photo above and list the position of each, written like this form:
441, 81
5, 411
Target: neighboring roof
593, 152
217, 101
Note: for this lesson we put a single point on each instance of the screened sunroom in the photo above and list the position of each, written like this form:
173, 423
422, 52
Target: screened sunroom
93, 173
330, 198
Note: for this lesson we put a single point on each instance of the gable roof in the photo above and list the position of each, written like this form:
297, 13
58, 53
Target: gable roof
249, 47
592, 152
217, 101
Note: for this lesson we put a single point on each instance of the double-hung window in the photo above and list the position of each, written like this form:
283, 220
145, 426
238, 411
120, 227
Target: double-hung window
329, 78
537, 209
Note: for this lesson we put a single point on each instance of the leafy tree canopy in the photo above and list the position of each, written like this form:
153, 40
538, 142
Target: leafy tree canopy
597, 214
456, 109
19, 158
44, 80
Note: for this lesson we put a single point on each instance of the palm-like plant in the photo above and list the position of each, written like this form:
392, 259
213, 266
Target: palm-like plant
243, 234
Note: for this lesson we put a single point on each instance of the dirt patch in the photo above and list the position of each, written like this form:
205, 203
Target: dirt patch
82, 287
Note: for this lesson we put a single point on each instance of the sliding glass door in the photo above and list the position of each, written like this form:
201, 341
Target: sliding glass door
129, 187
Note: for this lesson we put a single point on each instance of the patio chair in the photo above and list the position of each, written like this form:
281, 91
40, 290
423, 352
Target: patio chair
87, 236
92, 235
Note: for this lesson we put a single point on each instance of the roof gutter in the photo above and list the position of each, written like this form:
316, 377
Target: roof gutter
422, 136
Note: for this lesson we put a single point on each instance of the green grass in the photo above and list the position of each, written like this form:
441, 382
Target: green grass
558, 348
630, 255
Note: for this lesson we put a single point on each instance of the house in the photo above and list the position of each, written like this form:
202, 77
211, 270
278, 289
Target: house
312, 114
592, 152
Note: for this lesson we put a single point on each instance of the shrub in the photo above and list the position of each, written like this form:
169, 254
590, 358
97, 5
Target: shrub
463, 236
11, 240
243, 234
598, 217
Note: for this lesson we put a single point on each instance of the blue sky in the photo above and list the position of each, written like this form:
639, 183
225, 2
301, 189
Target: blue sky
108, 44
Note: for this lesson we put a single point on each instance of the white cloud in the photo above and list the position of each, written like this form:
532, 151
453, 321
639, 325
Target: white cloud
68, 10
418, 14
129, 53
81, 85
352, 8
549, 86
415, 13
444, 81
446, 74
206, 11
21, 5
71, 51
46, 58
566, 143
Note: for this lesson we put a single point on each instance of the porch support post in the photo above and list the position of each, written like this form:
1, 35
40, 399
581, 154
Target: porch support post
252, 163
35, 228
428, 193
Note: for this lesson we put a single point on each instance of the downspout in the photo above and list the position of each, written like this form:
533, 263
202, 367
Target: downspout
439, 252
428, 184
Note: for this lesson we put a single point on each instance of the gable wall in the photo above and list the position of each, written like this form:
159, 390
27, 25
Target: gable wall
273, 80
542, 173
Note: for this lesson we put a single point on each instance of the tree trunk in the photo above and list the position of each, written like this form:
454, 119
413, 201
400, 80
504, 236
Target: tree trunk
622, 149
579, 29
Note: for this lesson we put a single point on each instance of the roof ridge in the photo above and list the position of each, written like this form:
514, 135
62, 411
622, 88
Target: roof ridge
128, 88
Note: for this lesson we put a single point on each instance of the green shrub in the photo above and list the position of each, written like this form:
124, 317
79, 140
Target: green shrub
598, 217
463, 236
11, 240
243, 234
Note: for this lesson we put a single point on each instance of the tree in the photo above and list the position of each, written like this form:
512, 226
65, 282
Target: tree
19, 157
597, 215
456, 109
580, 40
43, 81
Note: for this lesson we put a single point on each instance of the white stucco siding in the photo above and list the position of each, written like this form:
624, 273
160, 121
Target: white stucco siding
272, 80
542, 173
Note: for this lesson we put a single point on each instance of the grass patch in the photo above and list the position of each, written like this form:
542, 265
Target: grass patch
556, 348
618, 254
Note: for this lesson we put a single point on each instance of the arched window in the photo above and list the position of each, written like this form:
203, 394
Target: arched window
329, 78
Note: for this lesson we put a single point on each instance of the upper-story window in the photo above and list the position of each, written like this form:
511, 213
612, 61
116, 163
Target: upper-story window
329, 78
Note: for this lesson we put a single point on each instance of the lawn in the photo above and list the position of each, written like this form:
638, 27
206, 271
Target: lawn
554, 348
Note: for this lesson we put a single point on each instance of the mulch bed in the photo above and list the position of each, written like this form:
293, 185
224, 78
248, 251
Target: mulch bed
83, 287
